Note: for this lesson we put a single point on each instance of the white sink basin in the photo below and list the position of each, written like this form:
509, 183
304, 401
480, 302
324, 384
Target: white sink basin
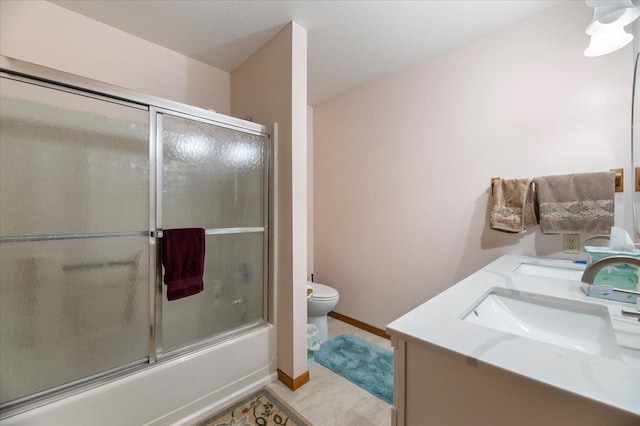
567, 272
575, 325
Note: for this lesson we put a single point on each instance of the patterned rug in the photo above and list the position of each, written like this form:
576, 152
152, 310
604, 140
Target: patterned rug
261, 408
363, 363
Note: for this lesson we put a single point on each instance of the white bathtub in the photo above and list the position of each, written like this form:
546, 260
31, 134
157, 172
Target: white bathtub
179, 391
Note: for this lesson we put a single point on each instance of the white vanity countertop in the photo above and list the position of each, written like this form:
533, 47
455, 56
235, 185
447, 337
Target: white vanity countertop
614, 382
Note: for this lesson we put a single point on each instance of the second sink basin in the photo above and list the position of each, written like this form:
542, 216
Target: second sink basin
575, 325
567, 272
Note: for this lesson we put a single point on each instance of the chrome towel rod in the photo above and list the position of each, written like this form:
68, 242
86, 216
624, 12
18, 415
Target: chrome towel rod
154, 234
216, 231
58, 237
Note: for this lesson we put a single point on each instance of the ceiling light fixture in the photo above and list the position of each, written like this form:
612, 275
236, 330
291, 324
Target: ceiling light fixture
607, 28
604, 42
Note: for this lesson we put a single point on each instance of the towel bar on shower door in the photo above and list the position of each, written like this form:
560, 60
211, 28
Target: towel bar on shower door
215, 231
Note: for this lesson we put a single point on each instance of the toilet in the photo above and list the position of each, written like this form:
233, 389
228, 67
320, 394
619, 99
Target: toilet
321, 301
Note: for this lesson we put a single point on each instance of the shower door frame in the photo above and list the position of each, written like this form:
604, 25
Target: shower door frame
156, 115
58, 80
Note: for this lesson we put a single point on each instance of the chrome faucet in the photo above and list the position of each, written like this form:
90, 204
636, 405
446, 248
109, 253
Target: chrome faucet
593, 268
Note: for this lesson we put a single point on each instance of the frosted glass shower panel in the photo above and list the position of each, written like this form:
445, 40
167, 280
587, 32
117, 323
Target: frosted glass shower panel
70, 163
70, 310
233, 293
213, 177
90, 175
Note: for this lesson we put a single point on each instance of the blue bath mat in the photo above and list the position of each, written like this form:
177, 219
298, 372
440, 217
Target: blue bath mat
365, 364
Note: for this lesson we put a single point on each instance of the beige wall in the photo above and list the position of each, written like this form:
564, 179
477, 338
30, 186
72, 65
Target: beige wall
402, 166
309, 192
48, 35
271, 86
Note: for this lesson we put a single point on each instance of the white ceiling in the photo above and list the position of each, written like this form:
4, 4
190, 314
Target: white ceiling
349, 42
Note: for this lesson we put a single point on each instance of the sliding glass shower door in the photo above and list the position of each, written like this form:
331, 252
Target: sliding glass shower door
74, 268
214, 178
89, 180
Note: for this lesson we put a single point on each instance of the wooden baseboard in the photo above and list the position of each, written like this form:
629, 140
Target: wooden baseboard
362, 325
293, 384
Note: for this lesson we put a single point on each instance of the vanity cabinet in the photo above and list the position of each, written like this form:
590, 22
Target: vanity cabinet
435, 386
449, 371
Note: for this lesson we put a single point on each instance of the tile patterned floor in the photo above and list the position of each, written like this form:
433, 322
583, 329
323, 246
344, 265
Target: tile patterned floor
331, 400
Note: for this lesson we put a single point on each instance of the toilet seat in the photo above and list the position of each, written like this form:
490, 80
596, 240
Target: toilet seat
323, 292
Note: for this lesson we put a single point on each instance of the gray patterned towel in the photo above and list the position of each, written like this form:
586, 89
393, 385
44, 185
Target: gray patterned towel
513, 205
576, 203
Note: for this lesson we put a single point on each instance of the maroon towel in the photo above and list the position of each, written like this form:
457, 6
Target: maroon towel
183, 260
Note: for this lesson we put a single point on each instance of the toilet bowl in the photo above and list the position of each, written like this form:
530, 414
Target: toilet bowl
322, 300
